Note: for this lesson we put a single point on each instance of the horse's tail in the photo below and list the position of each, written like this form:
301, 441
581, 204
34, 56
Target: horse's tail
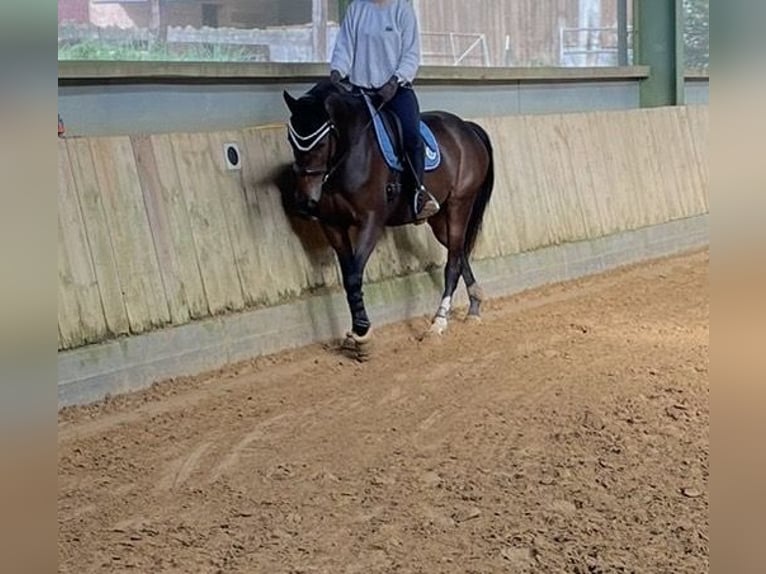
482, 199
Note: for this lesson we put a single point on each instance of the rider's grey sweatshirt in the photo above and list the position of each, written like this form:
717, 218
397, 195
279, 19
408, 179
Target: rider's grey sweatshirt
377, 41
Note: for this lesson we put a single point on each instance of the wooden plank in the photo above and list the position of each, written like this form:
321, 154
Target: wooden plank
80, 313
220, 279
539, 184
70, 334
293, 254
302, 243
169, 222
253, 250
594, 204
662, 194
500, 233
553, 216
640, 163
68, 306
98, 235
690, 163
699, 133
633, 164
527, 201
676, 149
554, 133
126, 217
606, 186
511, 209
514, 222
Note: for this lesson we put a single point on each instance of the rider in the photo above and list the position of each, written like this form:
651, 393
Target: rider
378, 48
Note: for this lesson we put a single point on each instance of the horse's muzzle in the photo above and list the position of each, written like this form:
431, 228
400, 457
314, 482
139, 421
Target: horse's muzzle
308, 209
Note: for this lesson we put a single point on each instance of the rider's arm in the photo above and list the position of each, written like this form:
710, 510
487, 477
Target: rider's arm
410, 59
343, 54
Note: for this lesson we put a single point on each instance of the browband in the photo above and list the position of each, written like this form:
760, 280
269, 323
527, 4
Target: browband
307, 143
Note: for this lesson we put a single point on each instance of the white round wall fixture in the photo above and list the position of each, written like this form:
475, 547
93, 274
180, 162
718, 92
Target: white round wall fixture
232, 156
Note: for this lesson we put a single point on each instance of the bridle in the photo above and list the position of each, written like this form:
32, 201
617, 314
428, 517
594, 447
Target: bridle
307, 143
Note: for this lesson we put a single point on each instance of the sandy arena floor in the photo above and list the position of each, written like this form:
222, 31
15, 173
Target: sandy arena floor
566, 433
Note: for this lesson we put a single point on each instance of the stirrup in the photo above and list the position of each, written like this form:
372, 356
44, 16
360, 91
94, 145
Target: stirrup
429, 205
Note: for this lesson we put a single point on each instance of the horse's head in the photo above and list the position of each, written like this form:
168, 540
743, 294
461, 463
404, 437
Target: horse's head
310, 132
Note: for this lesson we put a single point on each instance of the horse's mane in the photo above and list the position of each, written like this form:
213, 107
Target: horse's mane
320, 91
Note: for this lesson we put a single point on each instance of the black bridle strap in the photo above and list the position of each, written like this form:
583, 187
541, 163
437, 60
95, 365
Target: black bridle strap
345, 154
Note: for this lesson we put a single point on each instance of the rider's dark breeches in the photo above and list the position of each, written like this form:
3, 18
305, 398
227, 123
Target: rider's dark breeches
405, 105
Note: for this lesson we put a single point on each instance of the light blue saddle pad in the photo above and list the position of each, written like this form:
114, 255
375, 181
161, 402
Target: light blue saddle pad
433, 155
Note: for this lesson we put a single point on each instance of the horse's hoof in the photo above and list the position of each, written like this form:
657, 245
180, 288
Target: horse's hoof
438, 326
356, 346
473, 318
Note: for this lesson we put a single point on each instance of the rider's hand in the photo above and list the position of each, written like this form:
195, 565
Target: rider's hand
388, 90
337, 81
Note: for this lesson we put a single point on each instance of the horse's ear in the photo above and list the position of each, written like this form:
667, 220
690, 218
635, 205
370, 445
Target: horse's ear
289, 100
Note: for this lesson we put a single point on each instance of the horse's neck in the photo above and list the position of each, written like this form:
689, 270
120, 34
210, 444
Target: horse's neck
362, 150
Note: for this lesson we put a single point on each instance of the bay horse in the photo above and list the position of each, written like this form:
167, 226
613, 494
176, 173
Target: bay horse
341, 179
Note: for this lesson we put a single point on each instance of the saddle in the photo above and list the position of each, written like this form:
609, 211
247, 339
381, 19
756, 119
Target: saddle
388, 132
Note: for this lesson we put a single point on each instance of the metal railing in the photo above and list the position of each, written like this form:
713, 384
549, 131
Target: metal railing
456, 48
593, 46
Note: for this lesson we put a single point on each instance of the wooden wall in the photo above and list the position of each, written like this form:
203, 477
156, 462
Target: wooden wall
154, 231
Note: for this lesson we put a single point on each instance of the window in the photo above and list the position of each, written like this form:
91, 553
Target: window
571, 33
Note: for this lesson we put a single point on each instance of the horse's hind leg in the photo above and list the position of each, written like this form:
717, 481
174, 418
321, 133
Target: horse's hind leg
475, 293
451, 278
449, 230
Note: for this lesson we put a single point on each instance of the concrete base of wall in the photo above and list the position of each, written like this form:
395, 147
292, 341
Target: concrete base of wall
91, 373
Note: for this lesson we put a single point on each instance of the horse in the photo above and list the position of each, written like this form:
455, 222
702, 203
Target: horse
341, 179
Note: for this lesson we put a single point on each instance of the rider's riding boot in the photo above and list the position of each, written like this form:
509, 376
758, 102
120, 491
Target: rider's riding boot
424, 204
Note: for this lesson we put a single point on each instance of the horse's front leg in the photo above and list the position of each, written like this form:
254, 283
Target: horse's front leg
352, 261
